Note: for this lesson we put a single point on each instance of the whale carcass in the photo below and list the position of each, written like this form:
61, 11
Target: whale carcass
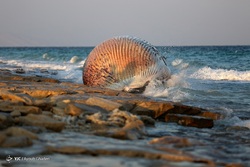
124, 63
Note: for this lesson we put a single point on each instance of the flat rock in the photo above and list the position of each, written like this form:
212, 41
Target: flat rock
73, 109
103, 103
17, 131
15, 113
47, 93
187, 120
20, 97
43, 121
152, 108
17, 141
27, 109
176, 141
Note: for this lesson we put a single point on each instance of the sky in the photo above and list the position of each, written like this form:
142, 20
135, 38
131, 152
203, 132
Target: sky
90, 22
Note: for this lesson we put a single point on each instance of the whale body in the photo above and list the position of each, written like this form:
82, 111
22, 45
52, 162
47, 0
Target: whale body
124, 63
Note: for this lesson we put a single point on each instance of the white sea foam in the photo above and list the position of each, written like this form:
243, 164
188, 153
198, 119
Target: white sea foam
207, 73
245, 123
176, 62
172, 89
75, 59
179, 64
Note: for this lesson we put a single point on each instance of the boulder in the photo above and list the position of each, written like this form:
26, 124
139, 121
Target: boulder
43, 121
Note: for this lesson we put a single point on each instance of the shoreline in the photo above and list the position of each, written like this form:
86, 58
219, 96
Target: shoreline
33, 107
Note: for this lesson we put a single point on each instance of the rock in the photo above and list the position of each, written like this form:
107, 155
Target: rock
23, 137
146, 153
186, 120
127, 106
211, 115
17, 131
7, 95
148, 121
47, 113
43, 121
9, 107
151, 108
173, 140
58, 111
17, 141
5, 121
2, 118
43, 103
28, 109
20, 71
103, 103
2, 137
73, 109
15, 113
183, 109
118, 124
6, 107
70, 150
47, 92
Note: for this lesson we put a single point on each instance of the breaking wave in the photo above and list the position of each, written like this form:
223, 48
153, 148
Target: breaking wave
207, 73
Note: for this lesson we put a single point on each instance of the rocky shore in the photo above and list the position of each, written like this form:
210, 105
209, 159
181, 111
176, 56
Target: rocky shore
48, 118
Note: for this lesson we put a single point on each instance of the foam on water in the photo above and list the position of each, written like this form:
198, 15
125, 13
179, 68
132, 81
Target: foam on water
173, 88
70, 70
207, 73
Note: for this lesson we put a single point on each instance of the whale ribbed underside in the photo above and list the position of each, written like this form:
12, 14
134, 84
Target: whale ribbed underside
124, 62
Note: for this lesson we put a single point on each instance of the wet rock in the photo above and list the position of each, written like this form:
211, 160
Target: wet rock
20, 71
17, 141
44, 71
173, 140
126, 106
148, 121
187, 110
43, 121
186, 120
211, 115
146, 153
103, 103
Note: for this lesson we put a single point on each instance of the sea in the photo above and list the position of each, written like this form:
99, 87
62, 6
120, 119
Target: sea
216, 78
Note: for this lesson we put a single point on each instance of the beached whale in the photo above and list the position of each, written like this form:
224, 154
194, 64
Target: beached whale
124, 63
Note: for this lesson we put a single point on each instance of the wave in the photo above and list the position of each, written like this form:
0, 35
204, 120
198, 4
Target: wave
207, 73
68, 70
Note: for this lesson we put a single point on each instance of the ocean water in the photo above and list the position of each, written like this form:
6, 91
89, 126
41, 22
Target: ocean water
216, 78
